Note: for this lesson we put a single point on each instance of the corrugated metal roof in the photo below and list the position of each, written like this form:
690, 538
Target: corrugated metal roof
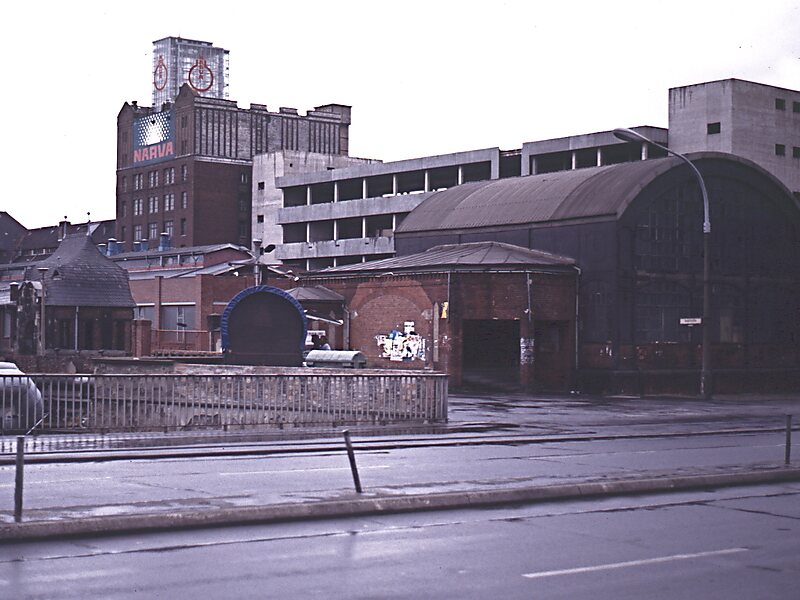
580, 193
482, 256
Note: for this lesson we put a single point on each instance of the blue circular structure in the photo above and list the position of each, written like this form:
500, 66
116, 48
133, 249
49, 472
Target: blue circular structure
263, 325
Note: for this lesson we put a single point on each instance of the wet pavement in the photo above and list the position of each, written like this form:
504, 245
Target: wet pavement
491, 445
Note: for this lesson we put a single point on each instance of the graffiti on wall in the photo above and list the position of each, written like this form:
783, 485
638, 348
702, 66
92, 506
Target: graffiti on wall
402, 345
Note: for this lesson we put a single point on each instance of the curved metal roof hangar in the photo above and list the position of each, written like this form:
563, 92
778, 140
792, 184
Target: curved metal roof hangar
592, 192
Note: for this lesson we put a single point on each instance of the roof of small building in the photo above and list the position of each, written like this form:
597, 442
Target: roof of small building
474, 256
175, 250
79, 275
580, 193
315, 293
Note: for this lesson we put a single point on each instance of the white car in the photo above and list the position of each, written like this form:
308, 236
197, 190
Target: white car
21, 405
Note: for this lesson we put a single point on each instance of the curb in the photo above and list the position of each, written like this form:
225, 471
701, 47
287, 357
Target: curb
363, 506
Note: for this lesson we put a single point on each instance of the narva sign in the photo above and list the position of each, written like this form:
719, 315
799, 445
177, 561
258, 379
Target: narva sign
155, 152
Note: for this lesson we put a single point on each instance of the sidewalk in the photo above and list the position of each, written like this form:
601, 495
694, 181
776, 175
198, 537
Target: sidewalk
127, 496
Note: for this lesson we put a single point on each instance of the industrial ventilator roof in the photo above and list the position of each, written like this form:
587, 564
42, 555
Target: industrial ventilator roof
580, 193
474, 256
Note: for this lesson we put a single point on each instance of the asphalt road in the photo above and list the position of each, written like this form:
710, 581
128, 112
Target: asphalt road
77, 490
737, 543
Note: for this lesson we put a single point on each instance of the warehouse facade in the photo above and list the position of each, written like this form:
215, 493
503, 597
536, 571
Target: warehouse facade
635, 232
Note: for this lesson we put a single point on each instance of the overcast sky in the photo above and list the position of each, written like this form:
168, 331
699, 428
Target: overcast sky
423, 77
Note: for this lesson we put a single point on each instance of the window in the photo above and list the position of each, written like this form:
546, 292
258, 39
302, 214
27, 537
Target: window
244, 178
152, 178
152, 204
177, 319
795, 152
184, 121
122, 233
169, 202
260, 185
780, 104
713, 128
123, 184
152, 230
796, 107
145, 312
168, 228
183, 226
137, 206
184, 172
260, 219
184, 200
137, 233
169, 176
780, 150
123, 209
138, 181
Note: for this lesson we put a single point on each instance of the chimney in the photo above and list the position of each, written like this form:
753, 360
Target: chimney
112, 248
62, 229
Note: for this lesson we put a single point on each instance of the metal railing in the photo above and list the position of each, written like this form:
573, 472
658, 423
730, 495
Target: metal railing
183, 402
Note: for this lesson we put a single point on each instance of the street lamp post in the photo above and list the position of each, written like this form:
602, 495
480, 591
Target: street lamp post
629, 135
42, 316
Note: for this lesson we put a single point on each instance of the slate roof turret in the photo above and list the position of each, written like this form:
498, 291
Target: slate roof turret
79, 275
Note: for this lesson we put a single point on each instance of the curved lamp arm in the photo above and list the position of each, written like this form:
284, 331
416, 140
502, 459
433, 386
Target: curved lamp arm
629, 135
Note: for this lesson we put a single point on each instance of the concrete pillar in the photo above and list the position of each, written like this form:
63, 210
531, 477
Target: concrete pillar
534, 166
645, 146
460, 174
364, 187
394, 221
335, 191
308, 233
427, 181
574, 160
394, 185
335, 230
308, 195
363, 227
599, 157
495, 165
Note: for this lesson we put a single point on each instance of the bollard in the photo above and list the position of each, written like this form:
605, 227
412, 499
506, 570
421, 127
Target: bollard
351, 455
18, 481
788, 457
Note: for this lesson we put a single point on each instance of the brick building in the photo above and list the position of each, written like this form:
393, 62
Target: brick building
480, 311
180, 294
185, 168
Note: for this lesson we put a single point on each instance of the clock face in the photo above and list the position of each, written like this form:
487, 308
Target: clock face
201, 77
160, 74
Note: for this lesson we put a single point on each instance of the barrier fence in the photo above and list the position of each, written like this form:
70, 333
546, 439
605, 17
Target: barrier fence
126, 402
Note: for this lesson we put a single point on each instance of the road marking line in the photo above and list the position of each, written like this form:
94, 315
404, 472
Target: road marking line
631, 563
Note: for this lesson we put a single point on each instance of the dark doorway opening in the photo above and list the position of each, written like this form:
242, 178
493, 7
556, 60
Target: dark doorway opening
490, 356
